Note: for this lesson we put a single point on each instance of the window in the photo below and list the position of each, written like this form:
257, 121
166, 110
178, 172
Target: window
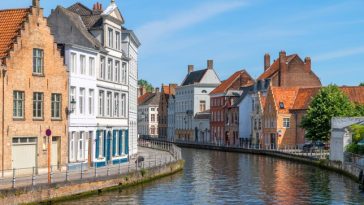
116, 105
117, 40
82, 64
73, 63
91, 102
38, 61
91, 66
117, 71
56, 106
72, 96
38, 105
203, 91
81, 100
111, 38
202, 106
108, 104
101, 144
286, 123
152, 109
281, 105
102, 68
18, 104
152, 118
109, 70
152, 130
123, 105
72, 144
123, 73
80, 146
101, 103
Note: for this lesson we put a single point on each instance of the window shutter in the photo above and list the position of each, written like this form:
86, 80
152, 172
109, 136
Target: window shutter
120, 142
126, 141
97, 144
114, 143
105, 143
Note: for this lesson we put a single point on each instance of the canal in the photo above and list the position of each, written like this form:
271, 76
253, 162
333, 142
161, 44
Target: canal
212, 177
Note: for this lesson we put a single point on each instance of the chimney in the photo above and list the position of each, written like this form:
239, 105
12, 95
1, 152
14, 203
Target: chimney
190, 69
97, 8
172, 89
210, 64
36, 4
266, 61
308, 64
283, 75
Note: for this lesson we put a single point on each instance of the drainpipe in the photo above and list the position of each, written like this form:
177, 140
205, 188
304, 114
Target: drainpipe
3, 71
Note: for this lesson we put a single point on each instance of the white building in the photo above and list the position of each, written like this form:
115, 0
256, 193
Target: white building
148, 114
202, 126
171, 118
99, 64
192, 96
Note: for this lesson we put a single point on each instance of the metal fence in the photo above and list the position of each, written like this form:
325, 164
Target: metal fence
166, 153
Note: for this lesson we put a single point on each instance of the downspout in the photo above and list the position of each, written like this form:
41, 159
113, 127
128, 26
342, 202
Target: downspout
3, 71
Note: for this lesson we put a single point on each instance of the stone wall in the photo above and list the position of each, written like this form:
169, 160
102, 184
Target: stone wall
71, 190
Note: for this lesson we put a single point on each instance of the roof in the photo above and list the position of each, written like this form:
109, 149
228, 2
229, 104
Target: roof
205, 115
152, 99
262, 99
242, 96
144, 97
304, 98
194, 77
355, 93
11, 21
285, 96
90, 18
226, 84
274, 68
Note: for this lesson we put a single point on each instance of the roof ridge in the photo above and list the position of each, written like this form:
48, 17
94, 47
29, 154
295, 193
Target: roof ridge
14, 9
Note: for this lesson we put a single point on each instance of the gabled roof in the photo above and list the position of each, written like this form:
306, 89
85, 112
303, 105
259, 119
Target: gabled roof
355, 93
245, 90
274, 68
152, 99
304, 98
11, 21
90, 18
284, 96
194, 77
225, 85
80, 9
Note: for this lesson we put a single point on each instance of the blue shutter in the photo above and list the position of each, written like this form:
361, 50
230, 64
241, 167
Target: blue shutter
105, 143
113, 142
97, 144
126, 141
120, 142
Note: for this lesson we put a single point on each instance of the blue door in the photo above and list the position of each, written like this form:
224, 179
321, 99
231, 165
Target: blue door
108, 146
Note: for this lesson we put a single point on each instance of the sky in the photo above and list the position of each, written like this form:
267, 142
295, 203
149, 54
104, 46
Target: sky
237, 33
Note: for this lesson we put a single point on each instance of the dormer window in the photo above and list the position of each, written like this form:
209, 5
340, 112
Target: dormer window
111, 37
281, 105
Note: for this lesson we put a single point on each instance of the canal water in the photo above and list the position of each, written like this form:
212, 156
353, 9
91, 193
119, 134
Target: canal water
212, 177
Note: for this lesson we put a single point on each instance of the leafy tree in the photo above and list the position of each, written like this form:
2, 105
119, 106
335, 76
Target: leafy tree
359, 110
361, 84
329, 102
149, 87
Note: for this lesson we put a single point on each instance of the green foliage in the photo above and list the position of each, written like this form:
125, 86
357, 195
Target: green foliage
361, 84
358, 133
149, 87
329, 102
355, 148
359, 110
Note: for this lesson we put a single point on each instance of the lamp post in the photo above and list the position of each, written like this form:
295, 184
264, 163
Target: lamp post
49, 134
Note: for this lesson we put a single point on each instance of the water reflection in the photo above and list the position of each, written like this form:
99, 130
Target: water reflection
212, 177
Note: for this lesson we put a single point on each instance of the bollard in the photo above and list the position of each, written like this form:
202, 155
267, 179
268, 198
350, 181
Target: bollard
51, 174
33, 177
13, 182
119, 167
81, 170
95, 167
67, 169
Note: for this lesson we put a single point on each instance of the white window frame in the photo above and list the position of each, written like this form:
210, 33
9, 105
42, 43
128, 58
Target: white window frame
116, 105
91, 66
91, 103
82, 64
18, 104
286, 122
73, 62
101, 103
56, 106
109, 104
81, 100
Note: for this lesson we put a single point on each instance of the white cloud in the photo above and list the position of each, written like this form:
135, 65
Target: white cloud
339, 54
155, 30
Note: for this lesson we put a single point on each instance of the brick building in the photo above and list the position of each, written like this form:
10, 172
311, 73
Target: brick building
222, 100
167, 91
34, 91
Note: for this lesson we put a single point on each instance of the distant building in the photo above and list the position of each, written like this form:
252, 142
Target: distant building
224, 112
171, 133
202, 126
166, 93
148, 114
34, 94
192, 96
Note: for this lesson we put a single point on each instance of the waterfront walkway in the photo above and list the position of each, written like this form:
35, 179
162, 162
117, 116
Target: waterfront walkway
155, 155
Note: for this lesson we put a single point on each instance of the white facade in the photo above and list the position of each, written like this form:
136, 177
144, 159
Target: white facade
148, 120
171, 118
191, 99
245, 117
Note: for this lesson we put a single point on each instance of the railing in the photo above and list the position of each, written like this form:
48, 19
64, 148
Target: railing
37, 176
294, 150
354, 159
174, 150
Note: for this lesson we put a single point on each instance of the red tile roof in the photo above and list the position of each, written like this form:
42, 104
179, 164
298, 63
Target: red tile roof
285, 95
355, 93
274, 68
225, 85
11, 21
144, 97
304, 98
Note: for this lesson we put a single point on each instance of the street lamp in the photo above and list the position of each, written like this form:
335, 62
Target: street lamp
72, 106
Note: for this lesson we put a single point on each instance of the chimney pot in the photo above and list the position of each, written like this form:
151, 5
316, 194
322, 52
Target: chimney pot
190, 68
308, 64
266, 61
36, 3
210, 64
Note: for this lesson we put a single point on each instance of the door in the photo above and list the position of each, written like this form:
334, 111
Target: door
55, 152
273, 140
24, 154
108, 146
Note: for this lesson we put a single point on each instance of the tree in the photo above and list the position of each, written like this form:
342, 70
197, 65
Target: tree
149, 87
329, 102
361, 84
